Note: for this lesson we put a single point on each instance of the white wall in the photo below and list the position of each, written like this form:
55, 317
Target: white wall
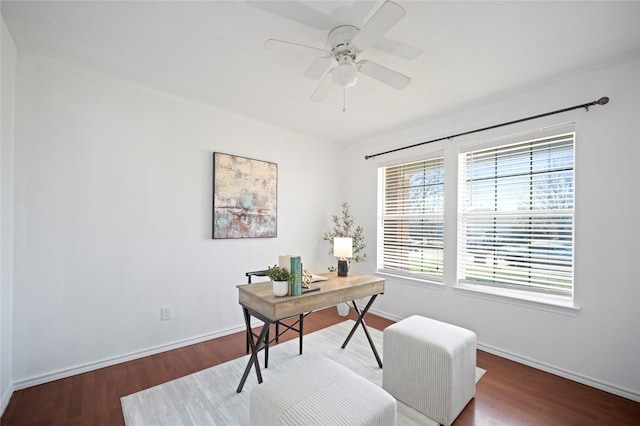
600, 344
113, 206
8, 63
113, 213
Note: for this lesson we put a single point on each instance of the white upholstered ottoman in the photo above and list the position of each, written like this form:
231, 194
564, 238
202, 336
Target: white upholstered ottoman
321, 393
430, 366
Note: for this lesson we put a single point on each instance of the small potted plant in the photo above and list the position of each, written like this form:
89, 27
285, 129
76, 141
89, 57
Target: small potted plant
280, 277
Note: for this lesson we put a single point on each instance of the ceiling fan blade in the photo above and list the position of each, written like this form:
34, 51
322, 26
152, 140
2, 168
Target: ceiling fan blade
295, 11
322, 89
318, 67
384, 75
353, 12
397, 48
294, 48
383, 19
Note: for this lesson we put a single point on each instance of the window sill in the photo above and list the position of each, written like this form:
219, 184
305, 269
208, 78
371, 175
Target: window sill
420, 282
545, 302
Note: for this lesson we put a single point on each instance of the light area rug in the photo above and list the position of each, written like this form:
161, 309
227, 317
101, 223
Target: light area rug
209, 397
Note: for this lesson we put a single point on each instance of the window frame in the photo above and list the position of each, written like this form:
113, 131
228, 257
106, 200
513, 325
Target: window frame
543, 295
382, 266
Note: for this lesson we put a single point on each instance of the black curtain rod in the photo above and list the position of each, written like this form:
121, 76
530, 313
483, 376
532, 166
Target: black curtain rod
602, 101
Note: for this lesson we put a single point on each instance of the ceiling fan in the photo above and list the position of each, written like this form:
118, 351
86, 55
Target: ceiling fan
344, 44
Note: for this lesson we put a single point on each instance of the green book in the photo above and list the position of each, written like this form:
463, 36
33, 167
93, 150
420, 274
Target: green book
296, 268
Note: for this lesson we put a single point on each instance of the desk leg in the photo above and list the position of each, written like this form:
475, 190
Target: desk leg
301, 319
364, 327
255, 348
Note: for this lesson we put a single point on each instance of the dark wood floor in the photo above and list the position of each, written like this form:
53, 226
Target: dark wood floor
508, 394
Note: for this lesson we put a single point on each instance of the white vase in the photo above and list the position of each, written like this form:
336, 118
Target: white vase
343, 309
280, 288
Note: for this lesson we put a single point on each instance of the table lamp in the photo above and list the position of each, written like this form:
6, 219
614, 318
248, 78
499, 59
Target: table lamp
343, 248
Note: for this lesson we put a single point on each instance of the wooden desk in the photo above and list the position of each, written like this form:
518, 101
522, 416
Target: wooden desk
258, 300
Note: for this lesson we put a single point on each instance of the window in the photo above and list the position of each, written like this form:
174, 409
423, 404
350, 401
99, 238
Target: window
516, 210
410, 225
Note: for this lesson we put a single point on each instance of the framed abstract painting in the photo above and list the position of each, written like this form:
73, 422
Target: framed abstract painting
245, 197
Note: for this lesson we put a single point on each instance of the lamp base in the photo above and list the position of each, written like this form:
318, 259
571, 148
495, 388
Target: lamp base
343, 268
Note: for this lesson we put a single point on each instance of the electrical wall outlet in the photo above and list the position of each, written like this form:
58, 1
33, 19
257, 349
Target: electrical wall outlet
166, 312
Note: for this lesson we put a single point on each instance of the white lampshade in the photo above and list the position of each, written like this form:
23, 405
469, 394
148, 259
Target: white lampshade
345, 75
343, 247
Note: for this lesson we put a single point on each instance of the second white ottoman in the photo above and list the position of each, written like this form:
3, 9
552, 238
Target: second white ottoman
430, 366
321, 393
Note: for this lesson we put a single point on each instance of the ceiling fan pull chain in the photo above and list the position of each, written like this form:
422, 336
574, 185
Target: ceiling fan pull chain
344, 99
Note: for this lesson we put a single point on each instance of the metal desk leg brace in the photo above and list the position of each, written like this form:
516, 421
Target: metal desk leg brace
364, 327
255, 348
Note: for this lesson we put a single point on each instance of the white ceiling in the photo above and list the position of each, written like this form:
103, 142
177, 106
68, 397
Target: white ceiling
212, 52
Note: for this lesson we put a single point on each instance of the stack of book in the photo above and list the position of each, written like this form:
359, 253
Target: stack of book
294, 265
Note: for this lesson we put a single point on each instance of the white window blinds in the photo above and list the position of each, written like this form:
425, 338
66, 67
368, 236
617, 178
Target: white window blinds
410, 225
516, 215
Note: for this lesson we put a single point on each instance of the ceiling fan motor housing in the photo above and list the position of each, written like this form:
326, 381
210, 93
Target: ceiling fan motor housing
339, 41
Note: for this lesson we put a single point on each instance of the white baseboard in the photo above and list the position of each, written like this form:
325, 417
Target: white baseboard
616, 390
6, 396
68, 372
385, 315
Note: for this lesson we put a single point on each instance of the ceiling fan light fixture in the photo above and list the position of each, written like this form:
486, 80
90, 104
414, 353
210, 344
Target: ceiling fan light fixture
345, 75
